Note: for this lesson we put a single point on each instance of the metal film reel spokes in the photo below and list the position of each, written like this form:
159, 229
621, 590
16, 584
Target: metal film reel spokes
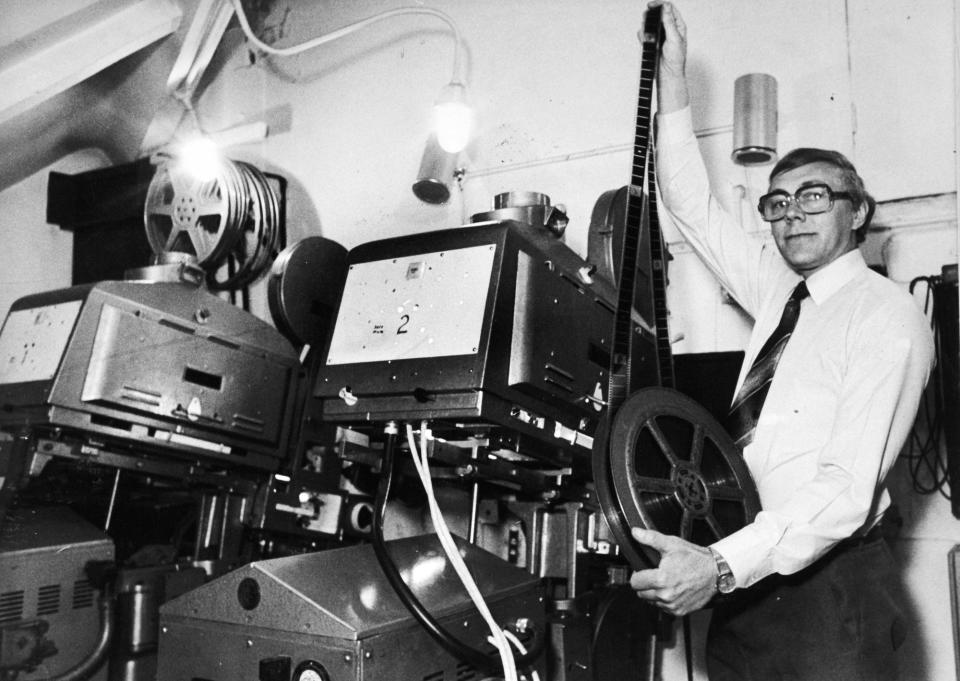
187, 214
232, 216
674, 469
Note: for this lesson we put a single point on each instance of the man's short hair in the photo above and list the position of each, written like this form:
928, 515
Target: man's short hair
854, 183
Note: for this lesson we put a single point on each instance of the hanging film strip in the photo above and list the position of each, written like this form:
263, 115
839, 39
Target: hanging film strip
660, 460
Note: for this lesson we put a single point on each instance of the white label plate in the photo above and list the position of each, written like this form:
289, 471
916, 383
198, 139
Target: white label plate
420, 306
33, 340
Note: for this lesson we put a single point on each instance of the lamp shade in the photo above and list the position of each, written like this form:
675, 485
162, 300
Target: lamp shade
437, 170
754, 119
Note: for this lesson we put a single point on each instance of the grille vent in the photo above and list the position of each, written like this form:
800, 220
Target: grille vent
82, 594
433, 676
11, 606
48, 600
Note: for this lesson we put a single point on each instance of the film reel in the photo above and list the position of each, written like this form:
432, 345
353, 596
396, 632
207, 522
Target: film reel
303, 289
232, 216
259, 227
186, 214
669, 466
605, 246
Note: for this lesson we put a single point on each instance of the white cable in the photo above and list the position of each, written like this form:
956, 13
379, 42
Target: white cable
450, 547
453, 554
339, 33
534, 675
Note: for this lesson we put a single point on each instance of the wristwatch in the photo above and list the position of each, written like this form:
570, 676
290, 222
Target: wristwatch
726, 582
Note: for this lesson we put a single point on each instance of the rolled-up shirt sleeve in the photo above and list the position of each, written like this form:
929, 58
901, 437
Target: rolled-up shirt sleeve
741, 261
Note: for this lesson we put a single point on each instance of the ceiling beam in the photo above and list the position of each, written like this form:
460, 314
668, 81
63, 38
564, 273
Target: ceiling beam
58, 55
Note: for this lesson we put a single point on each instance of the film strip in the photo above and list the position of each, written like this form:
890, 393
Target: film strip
660, 460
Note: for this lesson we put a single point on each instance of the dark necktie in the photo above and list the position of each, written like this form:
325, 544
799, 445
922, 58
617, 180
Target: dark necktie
742, 419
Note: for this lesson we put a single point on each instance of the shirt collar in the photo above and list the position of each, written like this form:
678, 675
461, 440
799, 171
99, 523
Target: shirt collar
825, 282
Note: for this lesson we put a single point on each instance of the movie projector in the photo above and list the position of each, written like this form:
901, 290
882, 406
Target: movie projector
492, 343
156, 373
493, 337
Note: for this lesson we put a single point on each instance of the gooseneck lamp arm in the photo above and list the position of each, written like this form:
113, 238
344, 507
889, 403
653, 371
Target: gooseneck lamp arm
453, 116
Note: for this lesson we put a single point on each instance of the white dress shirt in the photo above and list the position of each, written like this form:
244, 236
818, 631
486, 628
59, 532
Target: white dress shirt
846, 390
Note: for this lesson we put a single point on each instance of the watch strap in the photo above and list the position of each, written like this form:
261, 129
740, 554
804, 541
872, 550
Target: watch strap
726, 582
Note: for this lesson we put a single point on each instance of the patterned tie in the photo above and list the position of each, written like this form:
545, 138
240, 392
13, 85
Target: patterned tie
742, 419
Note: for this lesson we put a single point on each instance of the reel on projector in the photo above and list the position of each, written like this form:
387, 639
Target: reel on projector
235, 216
666, 464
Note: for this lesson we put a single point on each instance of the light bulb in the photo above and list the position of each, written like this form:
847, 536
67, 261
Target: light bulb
453, 118
200, 158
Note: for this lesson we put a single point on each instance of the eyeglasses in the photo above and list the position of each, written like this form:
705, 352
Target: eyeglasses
812, 199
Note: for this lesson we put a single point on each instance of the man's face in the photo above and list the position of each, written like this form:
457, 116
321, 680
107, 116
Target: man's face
810, 242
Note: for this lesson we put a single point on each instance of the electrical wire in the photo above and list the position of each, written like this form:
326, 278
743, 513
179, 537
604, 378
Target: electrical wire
185, 95
925, 450
510, 636
333, 35
460, 650
447, 641
453, 553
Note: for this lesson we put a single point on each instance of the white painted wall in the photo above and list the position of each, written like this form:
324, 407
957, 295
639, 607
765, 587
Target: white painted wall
37, 256
554, 85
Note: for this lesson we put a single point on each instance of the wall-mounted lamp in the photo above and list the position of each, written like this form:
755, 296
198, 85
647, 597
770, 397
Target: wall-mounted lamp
437, 169
453, 118
754, 119
452, 128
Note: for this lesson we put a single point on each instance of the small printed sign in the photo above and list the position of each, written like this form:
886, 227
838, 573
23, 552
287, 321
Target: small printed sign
426, 305
33, 340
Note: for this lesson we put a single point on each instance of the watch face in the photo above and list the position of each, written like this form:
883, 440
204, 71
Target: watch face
726, 583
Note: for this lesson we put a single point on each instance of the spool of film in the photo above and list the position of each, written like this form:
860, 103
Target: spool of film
754, 119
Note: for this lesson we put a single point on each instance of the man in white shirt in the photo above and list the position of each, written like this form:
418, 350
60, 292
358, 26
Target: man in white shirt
814, 584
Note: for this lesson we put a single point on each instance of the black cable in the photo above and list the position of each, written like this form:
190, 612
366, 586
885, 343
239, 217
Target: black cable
475, 658
454, 646
90, 665
925, 456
